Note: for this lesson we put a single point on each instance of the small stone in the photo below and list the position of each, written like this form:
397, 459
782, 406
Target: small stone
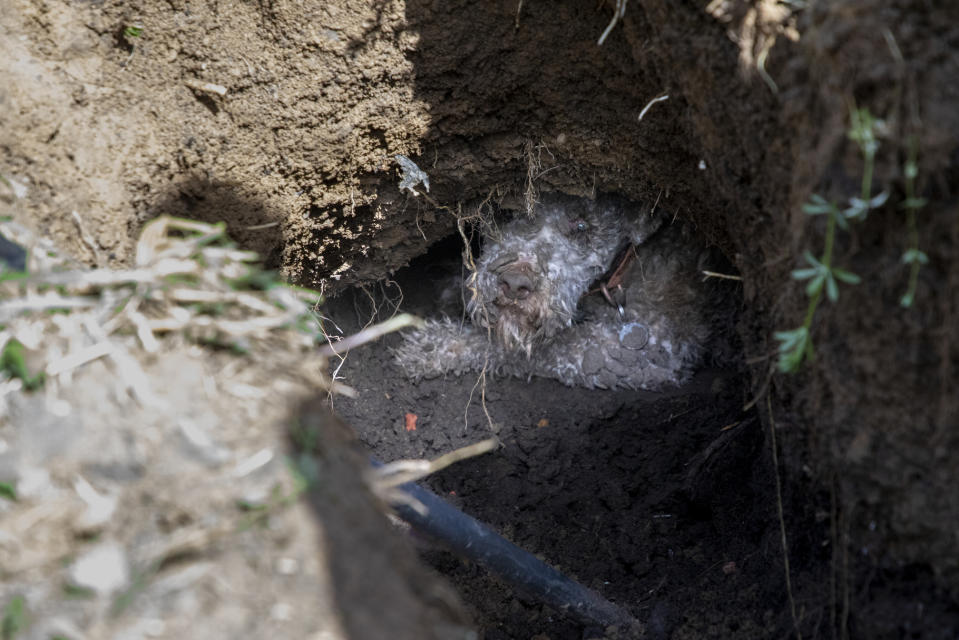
287, 566
103, 569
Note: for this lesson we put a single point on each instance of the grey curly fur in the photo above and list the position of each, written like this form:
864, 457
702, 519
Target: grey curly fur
530, 316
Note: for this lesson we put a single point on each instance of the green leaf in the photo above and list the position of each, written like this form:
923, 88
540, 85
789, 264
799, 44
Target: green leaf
14, 618
841, 222
9, 491
915, 255
818, 205
790, 339
878, 200
804, 274
846, 276
906, 300
815, 285
862, 130
795, 345
857, 209
13, 362
911, 170
832, 289
811, 259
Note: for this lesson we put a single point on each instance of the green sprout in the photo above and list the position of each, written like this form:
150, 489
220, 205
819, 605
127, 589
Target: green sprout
13, 362
913, 256
133, 31
15, 618
822, 275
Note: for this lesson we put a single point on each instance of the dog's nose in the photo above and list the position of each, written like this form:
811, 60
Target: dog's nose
516, 284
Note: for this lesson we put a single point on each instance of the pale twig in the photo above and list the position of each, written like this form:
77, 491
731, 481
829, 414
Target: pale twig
144, 331
761, 65
206, 87
129, 369
79, 358
85, 237
85, 280
650, 104
11, 308
212, 297
258, 227
370, 334
400, 472
618, 13
715, 274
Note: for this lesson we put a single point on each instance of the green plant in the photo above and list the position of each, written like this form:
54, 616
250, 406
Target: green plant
8, 490
132, 31
15, 618
13, 362
913, 256
795, 345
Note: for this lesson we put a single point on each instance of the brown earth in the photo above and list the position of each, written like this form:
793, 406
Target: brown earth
498, 100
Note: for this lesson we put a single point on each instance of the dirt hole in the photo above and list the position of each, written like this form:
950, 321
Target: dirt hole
659, 501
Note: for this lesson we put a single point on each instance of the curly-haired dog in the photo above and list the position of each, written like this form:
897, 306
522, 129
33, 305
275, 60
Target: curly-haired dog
531, 315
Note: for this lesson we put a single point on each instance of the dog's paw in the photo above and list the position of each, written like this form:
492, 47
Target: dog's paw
441, 347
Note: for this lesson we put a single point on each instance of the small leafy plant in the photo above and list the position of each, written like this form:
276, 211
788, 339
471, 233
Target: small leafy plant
13, 362
14, 618
913, 256
795, 345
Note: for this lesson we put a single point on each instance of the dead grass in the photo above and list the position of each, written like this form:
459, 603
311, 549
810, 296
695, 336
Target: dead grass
188, 280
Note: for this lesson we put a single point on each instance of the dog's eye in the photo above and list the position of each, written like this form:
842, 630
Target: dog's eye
580, 226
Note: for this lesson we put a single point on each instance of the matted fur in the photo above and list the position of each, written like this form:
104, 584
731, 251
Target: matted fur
548, 327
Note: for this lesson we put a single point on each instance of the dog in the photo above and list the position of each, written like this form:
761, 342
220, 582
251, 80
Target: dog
600, 293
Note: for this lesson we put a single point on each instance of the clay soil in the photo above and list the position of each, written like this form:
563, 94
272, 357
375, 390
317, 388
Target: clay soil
283, 119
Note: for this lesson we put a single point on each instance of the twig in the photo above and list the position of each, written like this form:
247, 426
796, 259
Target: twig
85, 237
79, 358
714, 274
265, 225
650, 104
370, 334
618, 13
206, 87
394, 474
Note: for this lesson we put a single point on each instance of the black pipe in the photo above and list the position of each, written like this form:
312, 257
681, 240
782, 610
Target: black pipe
471, 539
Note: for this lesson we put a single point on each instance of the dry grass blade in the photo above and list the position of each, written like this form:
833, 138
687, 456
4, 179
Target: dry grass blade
386, 481
370, 334
188, 282
394, 474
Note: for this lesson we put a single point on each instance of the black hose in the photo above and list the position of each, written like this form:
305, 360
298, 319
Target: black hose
471, 539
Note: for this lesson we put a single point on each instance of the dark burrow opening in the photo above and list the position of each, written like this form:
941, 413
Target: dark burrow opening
664, 502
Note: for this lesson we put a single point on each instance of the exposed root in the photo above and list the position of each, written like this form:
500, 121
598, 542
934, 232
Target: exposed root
782, 520
386, 481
